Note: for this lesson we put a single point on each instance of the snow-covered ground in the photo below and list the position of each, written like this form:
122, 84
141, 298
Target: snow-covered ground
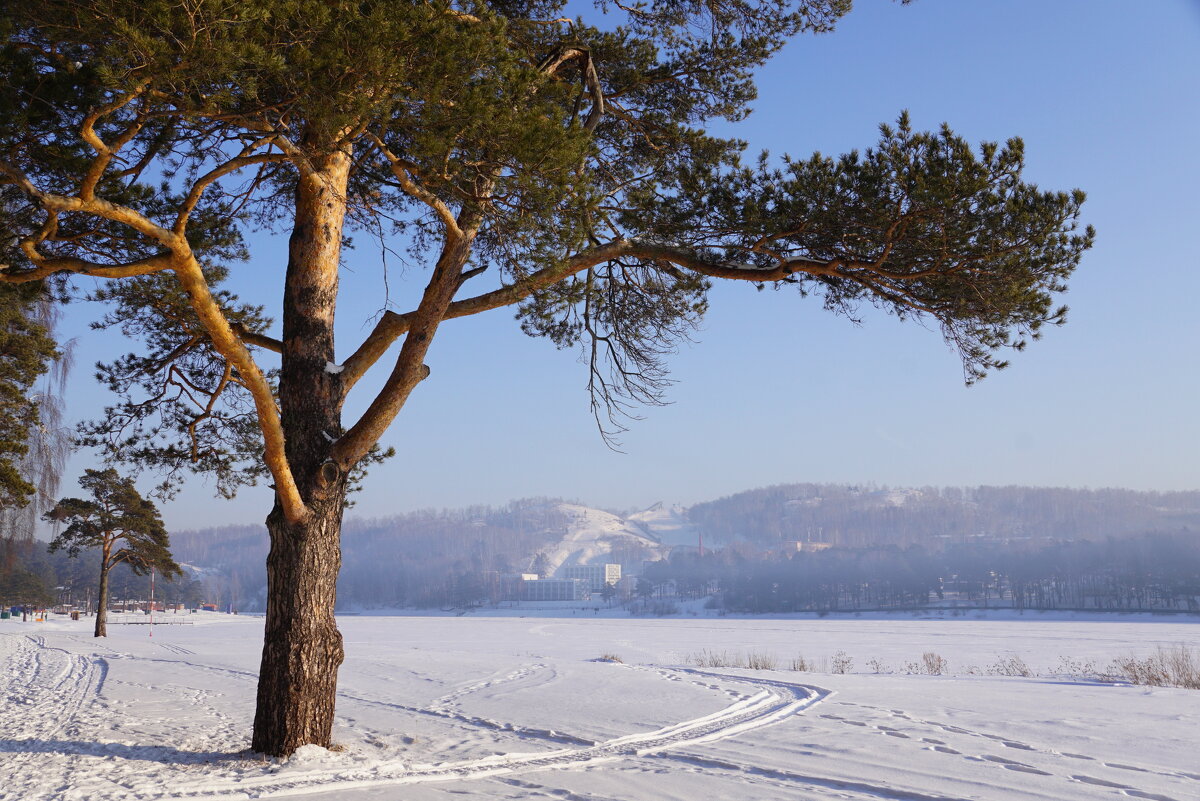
519, 708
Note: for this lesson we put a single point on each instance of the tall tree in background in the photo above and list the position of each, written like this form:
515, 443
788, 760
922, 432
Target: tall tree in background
121, 524
561, 168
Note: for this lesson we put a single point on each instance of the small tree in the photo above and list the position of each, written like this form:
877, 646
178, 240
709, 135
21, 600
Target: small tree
121, 523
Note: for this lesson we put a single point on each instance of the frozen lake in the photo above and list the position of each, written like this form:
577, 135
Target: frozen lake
520, 708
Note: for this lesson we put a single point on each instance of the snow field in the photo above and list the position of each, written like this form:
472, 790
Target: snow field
499, 708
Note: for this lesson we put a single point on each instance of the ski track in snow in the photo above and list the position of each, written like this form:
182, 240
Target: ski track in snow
55, 685
51, 686
771, 704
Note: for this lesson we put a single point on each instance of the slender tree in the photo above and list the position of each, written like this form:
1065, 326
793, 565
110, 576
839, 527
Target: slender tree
117, 520
561, 167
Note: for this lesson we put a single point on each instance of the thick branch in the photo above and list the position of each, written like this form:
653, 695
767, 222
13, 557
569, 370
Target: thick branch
46, 266
392, 325
101, 208
226, 341
410, 369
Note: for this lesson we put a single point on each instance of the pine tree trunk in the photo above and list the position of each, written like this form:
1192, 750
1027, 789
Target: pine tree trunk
102, 603
302, 650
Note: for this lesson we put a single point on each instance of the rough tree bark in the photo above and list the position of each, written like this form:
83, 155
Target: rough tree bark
303, 648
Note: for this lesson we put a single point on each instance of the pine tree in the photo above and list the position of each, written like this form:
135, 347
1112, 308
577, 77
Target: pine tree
124, 526
566, 160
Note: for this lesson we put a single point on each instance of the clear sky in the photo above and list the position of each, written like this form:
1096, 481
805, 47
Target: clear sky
1106, 95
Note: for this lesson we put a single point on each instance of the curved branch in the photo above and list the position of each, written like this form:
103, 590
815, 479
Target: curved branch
392, 325
404, 175
104, 152
47, 266
233, 165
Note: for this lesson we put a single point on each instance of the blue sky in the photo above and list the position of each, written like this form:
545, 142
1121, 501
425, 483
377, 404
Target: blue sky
1106, 95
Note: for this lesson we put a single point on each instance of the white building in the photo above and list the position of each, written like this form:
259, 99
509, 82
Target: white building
596, 576
559, 589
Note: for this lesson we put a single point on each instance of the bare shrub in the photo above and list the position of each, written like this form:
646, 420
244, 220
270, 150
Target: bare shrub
841, 662
1078, 668
717, 659
1168, 667
877, 666
933, 664
1011, 665
759, 660
801, 664
610, 658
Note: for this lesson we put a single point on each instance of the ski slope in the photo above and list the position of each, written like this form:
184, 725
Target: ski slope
522, 708
591, 536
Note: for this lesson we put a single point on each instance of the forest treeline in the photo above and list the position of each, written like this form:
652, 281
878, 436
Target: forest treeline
866, 515
1154, 571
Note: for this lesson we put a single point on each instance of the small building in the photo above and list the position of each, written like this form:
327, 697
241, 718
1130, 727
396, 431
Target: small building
596, 576
560, 589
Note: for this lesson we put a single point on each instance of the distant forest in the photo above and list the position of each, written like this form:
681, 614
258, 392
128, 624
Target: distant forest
1149, 572
39, 578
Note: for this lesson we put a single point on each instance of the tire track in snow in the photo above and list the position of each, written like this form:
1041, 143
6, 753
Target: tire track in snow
773, 702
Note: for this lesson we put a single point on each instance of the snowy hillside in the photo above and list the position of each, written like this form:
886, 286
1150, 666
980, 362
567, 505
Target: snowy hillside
594, 536
667, 524
439, 708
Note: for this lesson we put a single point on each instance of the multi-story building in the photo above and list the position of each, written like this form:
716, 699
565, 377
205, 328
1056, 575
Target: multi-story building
559, 589
596, 576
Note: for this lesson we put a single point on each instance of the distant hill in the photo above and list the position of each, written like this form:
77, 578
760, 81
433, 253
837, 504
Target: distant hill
859, 516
